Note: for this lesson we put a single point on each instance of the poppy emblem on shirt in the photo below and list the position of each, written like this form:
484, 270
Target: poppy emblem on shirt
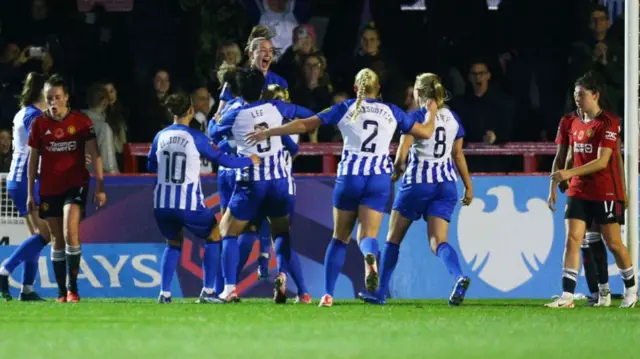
71, 130
58, 133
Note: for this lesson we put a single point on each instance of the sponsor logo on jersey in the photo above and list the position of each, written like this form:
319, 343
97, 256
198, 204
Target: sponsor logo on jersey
610, 135
64, 146
582, 147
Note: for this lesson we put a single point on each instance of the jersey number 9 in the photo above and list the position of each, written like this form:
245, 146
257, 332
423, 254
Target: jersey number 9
365, 144
175, 166
441, 142
267, 148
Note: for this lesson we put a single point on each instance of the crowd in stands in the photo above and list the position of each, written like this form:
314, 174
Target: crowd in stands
509, 71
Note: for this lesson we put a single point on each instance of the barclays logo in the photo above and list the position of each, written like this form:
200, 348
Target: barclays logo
505, 247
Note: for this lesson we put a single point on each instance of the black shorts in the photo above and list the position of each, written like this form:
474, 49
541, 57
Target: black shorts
598, 212
53, 206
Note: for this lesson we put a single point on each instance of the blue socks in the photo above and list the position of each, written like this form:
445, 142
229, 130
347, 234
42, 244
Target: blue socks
245, 245
219, 280
265, 247
28, 252
295, 271
30, 270
333, 261
169, 263
387, 265
369, 245
282, 248
210, 264
230, 259
449, 257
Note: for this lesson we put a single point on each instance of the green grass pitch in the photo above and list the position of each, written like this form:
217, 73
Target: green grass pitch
141, 329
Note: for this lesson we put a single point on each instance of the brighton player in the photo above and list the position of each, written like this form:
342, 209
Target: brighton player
428, 188
594, 252
595, 191
260, 191
178, 200
363, 186
33, 103
275, 92
57, 142
261, 53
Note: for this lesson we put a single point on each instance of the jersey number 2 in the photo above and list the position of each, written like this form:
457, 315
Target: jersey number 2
175, 166
266, 148
440, 137
365, 144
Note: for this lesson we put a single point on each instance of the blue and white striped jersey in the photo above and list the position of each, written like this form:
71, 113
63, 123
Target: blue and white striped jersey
430, 159
175, 155
367, 139
228, 106
249, 117
21, 126
288, 160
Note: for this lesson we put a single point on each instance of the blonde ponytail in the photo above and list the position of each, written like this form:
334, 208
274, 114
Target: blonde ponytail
366, 83
430, 86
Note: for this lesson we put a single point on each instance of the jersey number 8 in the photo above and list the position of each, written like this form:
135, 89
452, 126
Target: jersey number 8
440, 137
267, 148
175, 166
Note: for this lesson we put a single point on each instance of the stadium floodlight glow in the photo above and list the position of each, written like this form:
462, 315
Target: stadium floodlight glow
631, 95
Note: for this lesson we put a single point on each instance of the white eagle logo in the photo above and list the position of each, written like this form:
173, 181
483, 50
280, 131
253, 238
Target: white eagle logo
503, 244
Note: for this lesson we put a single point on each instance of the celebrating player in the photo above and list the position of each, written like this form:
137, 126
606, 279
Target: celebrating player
594, 252
261, 190
595, 191
363, 186
32, 103
428, 187
58, 139
178, 199
260, 57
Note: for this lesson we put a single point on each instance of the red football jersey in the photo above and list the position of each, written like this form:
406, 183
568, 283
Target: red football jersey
62, 147
585, 140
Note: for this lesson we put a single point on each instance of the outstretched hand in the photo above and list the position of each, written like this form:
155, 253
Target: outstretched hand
256, 136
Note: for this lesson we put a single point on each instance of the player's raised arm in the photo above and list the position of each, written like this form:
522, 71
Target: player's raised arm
291, 128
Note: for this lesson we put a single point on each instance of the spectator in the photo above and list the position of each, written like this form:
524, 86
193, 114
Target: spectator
5, 151
486, 112
202, 104
314, 91
487, 115
603, 55
279, 16
370, 56
117, 120
98, 102
291, 62
151, 116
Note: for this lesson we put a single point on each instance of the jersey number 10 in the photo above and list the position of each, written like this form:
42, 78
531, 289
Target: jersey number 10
175, 166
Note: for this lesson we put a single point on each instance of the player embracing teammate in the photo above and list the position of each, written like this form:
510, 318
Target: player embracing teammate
596, 190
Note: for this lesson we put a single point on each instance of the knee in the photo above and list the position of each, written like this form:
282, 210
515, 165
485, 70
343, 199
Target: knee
615, 246
574, 241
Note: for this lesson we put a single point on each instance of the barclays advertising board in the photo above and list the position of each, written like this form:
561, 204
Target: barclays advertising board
508, 241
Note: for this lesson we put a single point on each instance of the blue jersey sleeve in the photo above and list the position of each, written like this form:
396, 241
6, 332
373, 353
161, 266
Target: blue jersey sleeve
405, 121
288, 110
225, 93
28, 119
152, 159
224, 146
461, 132
335, 113
290, 145
207, 151
223, 128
